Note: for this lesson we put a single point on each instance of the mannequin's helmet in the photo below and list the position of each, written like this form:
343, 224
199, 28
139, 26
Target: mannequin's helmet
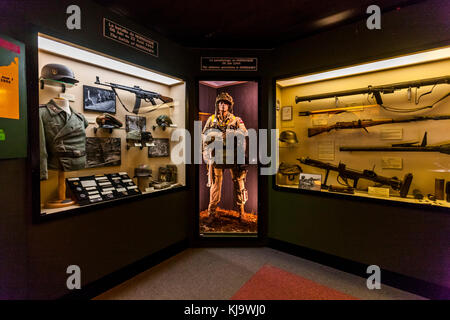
58, 72
225, 97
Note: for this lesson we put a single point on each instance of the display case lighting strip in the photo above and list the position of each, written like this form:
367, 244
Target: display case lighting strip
79, 54
411, 59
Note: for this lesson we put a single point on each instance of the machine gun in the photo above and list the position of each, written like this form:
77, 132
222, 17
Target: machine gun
345, 174
148, 96
363, 124
409, 147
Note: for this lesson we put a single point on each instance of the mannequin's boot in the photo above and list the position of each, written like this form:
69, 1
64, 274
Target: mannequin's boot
241, 212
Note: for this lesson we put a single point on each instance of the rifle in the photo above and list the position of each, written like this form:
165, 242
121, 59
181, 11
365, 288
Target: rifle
337, 110
409, 147
363, 124
148, 96
345, 174
377, 90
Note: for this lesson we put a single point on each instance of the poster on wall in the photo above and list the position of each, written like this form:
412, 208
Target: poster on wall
13, 117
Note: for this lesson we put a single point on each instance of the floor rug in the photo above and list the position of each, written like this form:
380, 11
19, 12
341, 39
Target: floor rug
271, 283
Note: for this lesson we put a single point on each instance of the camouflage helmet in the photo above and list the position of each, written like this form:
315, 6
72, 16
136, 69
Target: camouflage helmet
225, 97
288, 136
163, 121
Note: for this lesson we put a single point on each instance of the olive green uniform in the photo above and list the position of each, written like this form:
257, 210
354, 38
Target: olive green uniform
238, 173
62, 139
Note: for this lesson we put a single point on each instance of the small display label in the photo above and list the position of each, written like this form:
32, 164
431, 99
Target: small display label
123, 35
127, 180
391, 163
104, 183
392, 134
326, 150
379, 192
91, 188
121, 189
228, 64
73, 179
89, 183
131, 188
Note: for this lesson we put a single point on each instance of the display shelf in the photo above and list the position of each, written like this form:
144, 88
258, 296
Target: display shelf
76, 208
359, 194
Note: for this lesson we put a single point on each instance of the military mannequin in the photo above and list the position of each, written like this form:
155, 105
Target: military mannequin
224, 120
62, 132
62, 138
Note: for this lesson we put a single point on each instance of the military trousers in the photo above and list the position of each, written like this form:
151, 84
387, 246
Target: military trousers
238, 176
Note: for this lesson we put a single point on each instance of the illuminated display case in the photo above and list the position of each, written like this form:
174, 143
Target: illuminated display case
126, 144
377, 130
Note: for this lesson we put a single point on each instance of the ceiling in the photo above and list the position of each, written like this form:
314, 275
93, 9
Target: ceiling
257, 24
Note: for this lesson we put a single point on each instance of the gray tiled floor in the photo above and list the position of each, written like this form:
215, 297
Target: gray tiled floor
218, 273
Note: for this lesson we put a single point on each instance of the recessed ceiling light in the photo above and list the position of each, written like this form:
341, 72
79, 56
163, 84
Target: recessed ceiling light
427, 56
83, 55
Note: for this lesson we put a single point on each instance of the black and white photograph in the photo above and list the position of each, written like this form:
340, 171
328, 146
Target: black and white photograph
103, 152
310, 181
161, 148
135, 123
99, 100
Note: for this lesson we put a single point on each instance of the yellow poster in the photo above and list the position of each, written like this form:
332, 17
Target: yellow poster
9, 90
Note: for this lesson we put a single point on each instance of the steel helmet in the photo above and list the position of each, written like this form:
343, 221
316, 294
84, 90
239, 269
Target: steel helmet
225, 97
288, 136
163, 121
58, 72
142, 170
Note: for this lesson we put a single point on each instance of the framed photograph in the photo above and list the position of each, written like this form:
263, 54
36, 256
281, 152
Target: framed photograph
135, 123
310, 181
102, 152
161, 148
99, 100
286, 113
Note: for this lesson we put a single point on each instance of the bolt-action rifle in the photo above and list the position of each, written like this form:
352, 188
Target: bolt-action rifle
141, 94
408, 147
345, 174
363, 124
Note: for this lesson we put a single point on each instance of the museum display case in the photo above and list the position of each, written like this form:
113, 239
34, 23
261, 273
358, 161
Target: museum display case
105, 128
377, 130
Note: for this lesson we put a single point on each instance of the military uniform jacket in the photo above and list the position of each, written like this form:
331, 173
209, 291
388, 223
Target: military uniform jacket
62, 139
230, 122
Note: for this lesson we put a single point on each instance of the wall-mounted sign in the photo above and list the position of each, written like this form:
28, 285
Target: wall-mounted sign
228, 64
116, 32
13, 100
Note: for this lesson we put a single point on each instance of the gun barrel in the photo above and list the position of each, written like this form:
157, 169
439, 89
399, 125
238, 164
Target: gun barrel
383, 88
393, 149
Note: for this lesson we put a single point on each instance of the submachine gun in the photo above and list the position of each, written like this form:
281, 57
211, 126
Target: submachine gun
141, 94
345, 174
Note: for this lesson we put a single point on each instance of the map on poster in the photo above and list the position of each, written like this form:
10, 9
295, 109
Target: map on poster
9, 90
13, 100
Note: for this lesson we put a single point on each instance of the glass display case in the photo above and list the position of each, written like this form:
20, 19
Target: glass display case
105, 128
378, 130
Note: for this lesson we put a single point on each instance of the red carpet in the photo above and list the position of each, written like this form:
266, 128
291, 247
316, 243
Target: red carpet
271, 283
